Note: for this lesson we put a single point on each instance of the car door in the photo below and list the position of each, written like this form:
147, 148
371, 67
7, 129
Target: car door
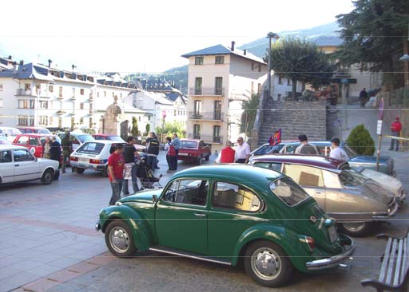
6, 166
181, 216
233, 209
310, 178
26, 166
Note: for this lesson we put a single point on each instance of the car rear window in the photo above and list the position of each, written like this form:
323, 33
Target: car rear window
288, 191
188, 144
91, 148
84, 138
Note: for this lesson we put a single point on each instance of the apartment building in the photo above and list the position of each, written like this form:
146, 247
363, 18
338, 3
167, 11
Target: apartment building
220, 79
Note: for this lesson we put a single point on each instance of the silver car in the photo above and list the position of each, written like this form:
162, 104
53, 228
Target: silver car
356, 203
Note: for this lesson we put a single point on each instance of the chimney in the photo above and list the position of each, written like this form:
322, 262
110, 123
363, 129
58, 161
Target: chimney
10, 57
232, 46
50, 62
21, 62
245, 52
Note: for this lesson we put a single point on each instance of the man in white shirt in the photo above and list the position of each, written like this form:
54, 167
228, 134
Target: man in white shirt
337, 152
242, 151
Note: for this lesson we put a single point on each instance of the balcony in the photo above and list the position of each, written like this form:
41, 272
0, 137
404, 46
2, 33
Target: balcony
24, 92
343, 73
61, 113
207, 116
207, 138
206, 91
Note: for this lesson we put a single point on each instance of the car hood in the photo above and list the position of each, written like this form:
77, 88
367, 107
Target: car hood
143, 196
374, 191
386, 181
369, 159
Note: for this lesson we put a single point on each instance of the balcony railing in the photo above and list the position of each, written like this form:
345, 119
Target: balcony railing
206, 138
341, 73
207, 91
207, 116
24, 92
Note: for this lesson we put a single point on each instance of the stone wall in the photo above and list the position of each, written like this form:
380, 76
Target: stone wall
294, 118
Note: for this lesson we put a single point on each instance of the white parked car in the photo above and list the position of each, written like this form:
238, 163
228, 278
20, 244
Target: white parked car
93, 155
17, 164
10, 133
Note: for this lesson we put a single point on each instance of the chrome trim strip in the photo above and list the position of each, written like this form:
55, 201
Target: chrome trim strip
332, 261
391, 214
189, 256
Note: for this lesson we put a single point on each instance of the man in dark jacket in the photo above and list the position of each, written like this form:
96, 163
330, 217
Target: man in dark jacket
152, 145
363, 96
55, 150
66, 144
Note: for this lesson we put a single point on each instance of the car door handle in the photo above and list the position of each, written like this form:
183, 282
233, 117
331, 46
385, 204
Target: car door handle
16, 165
199, 214
318, 193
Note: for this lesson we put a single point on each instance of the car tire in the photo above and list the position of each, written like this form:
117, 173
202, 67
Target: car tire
119, 240
57, 175
79, 170
48, 177
356, 229
267, 264
105, 172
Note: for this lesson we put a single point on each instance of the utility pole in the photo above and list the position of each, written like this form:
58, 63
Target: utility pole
270, 36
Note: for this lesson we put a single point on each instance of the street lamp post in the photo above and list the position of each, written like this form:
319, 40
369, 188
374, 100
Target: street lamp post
270, 36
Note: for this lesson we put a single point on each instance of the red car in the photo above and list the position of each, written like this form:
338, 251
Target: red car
33, 142
194, 150
34, 130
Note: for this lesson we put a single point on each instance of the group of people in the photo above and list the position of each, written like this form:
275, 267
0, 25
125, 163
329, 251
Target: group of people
240, 154
52, 149
310, 149
172, 147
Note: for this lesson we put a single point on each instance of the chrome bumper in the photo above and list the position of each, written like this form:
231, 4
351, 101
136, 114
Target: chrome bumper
331, 262
390, 215
97, 226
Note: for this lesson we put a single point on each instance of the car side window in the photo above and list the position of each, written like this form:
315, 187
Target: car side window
22, 155
304, 175
33, 141
23, 140
5, 156
235, 197
187, 191
269, 165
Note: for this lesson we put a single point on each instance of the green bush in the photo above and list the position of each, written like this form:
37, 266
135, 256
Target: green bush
361, 141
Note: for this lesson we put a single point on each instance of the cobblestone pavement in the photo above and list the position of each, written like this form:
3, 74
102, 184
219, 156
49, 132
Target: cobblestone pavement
48, 243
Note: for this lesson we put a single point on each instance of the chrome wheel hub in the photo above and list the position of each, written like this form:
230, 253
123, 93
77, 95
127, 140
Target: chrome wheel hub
266, 263
119, 239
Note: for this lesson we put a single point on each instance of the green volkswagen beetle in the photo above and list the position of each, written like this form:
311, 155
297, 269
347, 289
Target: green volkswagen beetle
228, 214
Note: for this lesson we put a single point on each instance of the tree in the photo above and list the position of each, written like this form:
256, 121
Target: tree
374, 35
249, 115
147, 129
135, 130
300, 60
361, 141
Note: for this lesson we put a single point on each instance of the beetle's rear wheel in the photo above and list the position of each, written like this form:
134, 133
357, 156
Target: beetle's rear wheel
119, 240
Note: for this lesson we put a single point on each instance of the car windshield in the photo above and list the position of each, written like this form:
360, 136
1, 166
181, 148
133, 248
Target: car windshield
288, 191
350, 152
350, 179
84, 138
188, 144
114, 138
91, 148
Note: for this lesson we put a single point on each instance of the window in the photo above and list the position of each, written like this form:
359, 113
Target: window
235, 197
197, 109
22, 155
219, 86
73, 92
196, 131
174, 113
51, 120
23, 120
81, 121
278, 96
97, 94
288, 81
51, 88
187, 191
305, 175
91, 148
43, 120
105, 94
288, 191
81, 105
43, 104
219, 60
23, 140
82, 91
198, 86
60, 91
5, 156
280, 79
269, 165
216, 134
33, 141
199, 61
27, 86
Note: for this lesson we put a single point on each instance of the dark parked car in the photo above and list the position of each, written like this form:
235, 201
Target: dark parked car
227, 214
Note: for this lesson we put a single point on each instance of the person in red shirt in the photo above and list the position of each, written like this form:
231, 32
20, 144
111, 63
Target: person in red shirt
396, 127
227, 154
116, 164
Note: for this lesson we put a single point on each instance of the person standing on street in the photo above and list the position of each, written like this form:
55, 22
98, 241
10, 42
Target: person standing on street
396, 127
337, 152
176, 144
171, 156
363, 96
242, 151
305, 148
46, 148
116, 163
227, 154
130, 155
66, 144
55, 150
152, 150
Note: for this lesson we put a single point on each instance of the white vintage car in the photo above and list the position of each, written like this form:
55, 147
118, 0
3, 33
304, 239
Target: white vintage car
17, 164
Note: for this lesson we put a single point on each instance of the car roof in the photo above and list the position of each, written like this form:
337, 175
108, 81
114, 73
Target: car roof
105, 142
313, 160
104, 135
11, 147
35, 135
193, 140
232, 171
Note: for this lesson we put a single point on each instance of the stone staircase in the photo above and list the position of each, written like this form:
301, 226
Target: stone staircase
294, 118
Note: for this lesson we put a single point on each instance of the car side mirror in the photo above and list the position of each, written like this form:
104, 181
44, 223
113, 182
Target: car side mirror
155, 198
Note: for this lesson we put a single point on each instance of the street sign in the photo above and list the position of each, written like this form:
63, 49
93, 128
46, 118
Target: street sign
379, 128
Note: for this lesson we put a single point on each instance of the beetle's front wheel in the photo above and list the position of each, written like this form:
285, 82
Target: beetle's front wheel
119, 240
267, 264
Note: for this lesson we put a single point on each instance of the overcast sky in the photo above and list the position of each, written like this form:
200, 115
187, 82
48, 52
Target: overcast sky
146, 36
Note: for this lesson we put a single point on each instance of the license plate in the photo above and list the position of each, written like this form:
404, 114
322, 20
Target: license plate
83, 160
183, 154
333, 235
